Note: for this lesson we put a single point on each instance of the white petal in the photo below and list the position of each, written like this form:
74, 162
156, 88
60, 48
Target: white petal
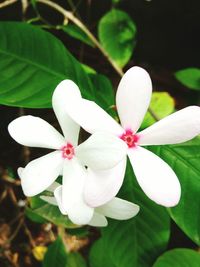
118, 209
74, 176
66, 93
50, 200
102, 186
35, 132
98, 220
101, 151
19, 171
92, 118
178, 127
53, 187
156, 178
133, 97
40, 173
58, 197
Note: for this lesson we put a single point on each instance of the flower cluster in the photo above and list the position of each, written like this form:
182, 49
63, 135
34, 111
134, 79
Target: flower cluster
93, 171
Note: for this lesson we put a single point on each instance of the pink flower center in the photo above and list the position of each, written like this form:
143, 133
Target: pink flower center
130, 138
68, 151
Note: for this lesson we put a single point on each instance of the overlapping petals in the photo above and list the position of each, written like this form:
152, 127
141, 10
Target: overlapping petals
116, 209
133, 96
98, 153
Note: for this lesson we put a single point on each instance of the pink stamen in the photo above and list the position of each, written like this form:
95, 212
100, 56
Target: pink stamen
68, 151
130, 138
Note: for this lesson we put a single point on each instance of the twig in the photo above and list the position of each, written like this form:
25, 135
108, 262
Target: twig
7, 3
16, 231
29, 235
70, 16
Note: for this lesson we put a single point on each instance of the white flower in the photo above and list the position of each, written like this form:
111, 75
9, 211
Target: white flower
99, 152
155, 177
116, 208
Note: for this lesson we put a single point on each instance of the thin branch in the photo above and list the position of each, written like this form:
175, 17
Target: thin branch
70, 16
7, 3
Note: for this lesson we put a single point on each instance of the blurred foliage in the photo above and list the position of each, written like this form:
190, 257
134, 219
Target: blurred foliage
189, 77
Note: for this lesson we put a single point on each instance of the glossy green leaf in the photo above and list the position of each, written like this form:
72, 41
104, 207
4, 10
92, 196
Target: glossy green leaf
135, 242
162, 104
179, 258
56, 255
75, 32
117, 32
189, 77
184, 160
32, 63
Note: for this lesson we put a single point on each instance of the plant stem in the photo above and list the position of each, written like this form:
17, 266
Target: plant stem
70, 16
7, 3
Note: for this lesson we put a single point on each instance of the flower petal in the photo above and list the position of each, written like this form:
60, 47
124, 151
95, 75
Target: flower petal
19, 171
101, 151
67, 92
156, 178
178, 127
35, 132
101, 186
58, 197
98, 220
74, 176
50, 200
133, 97
93, 118
40, 173
118, 209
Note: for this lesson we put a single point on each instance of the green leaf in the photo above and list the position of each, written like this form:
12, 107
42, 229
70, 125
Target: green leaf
117, 32
40, 211
179, 258
162, 104
56, 255
33, 216
135, 242
189, 77
104, 93
184, 160
53, 214
32, 63
75, 260
75, 32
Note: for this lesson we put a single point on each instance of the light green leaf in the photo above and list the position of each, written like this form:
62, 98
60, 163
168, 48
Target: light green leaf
32, 63
189, 77
184, 160
53, 214
117, 32
135, 242
75, 32
40, 211
56, 255
179, 258
162, 104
